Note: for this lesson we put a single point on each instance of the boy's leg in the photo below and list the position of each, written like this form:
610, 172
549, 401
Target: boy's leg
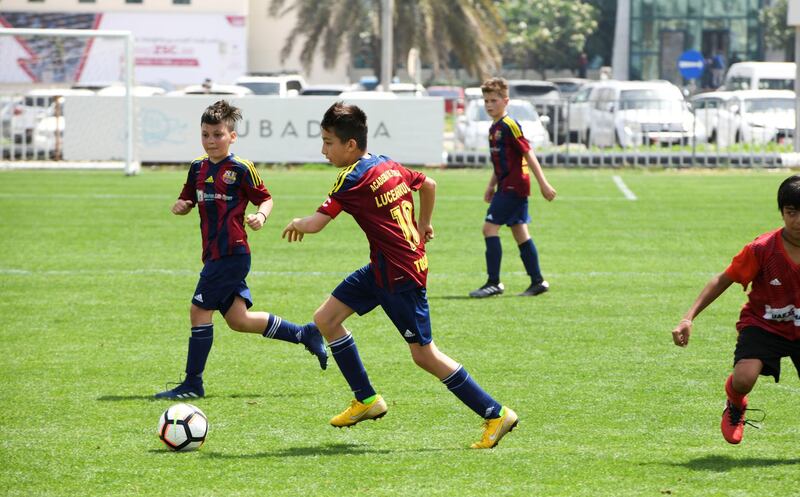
329, 318
737, 386
530, 259
494, 256
199, 348
499, 419
239, 318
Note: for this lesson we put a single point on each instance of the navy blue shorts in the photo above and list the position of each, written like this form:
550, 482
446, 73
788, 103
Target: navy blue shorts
408, 309
221, 281
508, 208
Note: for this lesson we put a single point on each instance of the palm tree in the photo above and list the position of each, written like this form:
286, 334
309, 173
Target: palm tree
467, 31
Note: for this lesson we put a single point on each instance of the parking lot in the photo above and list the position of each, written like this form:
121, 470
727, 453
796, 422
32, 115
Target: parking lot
595, 123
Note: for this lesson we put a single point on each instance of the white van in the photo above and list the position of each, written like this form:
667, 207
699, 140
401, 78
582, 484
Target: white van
760, 76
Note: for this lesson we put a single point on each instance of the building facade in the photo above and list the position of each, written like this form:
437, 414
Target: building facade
177, 42
652, 34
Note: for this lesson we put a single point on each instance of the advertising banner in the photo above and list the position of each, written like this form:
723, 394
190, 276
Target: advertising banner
274, 129
169, 49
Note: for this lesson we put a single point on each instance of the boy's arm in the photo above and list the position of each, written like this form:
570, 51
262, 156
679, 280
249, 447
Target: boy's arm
427, 198
712, 290
257, 220
548, 192
314, 223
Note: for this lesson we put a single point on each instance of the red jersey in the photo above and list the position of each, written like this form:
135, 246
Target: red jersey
508, 146
221, 192
773, 303
376, 191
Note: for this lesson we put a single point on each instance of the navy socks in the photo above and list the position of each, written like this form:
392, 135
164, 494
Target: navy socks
280, 329
494, 254
470, 393
199, 348
530, 259
346, 355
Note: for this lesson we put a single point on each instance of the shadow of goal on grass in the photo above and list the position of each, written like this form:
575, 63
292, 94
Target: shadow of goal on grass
725, 463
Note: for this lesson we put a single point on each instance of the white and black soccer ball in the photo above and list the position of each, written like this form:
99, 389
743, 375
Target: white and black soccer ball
183, 427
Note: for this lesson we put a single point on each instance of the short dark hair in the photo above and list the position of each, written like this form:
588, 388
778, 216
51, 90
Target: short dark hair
222, 112
789, 193
346, 121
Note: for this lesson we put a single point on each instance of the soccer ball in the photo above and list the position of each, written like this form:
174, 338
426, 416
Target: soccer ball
183, 427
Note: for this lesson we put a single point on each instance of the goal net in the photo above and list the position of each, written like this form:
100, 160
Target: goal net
53, 84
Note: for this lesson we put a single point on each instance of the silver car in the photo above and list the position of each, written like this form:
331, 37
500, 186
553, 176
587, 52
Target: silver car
472, 128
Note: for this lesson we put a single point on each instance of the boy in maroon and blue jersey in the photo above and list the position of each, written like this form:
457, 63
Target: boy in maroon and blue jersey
508, 192
769, 322
221, 185
377, 192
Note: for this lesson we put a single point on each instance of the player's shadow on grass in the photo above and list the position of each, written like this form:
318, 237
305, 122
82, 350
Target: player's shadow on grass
451, 297
725, 463
320, 450
121, 398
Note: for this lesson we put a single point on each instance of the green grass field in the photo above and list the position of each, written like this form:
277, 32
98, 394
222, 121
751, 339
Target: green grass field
97, 276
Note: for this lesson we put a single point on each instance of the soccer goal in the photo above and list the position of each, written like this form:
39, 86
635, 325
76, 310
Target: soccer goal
48, 76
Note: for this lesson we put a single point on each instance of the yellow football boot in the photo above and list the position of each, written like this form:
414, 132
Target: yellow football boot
358, 412
495, 429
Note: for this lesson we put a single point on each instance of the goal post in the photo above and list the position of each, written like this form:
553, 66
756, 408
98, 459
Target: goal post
42, 68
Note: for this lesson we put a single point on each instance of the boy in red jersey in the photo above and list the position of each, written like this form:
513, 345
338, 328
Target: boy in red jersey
377, 192
769, 323
508, 192
222, 184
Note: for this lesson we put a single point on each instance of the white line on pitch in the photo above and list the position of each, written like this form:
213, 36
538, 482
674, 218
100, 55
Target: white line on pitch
623, 188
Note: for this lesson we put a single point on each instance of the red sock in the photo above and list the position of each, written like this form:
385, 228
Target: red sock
735, 397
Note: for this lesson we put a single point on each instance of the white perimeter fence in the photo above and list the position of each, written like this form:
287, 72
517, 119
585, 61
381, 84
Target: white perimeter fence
88, 130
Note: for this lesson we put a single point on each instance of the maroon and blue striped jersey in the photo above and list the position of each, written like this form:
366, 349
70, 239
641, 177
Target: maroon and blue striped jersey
221, 192
376, 191
508, 146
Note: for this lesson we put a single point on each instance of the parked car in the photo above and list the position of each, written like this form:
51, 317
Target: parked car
453, 97
408, 90
635, 113
568, 87
323, 90
578, 112
48, 134
707, 108
545, 98
367, 95
760, 76
214, 89
22, 117
472, 93
137, 90
286, 85
757, 116
472, 128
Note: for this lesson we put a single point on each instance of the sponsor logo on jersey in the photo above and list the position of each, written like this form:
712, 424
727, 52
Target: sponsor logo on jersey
788, 313
210, 179
229, 177
775, 282
408, 334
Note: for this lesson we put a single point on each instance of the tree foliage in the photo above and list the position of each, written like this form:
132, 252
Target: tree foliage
777, 34
469, 31
547, 33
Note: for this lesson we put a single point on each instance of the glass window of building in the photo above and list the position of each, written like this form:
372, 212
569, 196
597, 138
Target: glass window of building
724, 31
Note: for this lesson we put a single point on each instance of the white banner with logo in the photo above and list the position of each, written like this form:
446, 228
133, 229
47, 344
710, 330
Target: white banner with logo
273, 130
